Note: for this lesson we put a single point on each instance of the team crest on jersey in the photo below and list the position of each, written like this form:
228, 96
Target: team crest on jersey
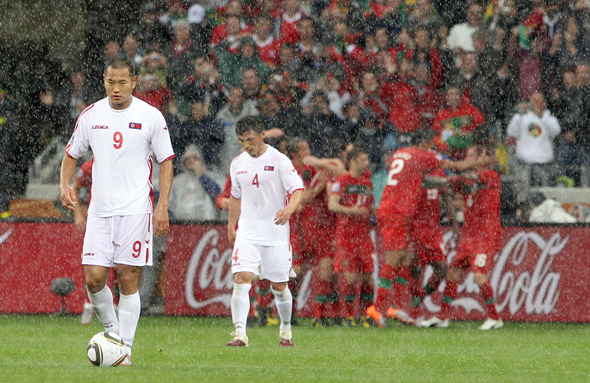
269, 168
134, 125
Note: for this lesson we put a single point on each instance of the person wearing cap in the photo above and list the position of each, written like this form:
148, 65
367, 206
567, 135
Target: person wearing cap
194, 191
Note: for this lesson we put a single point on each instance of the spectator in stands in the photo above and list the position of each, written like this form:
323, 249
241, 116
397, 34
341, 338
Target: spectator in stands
478, 85
321, 124
268, 46
227, 117
375, 97
205, 86
151, 90
133, 51
456, 124
193, 190
423, 52
181, 54
460, 35
423, 16
155, 62
308, 44
150, 32
289, 22
251, 85
231, 65
237, 25
79, 98
288, 121
203, 130
533, 132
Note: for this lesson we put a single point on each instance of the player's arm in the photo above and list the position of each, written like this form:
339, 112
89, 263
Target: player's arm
461, 166
161, 221
283, 215
79, 216
235, 209
318, 187
335, 206
67, 194
333, 165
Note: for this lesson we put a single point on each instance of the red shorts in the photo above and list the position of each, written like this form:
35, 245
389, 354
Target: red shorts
428, 246
354, 255
318, 242
394, 230
476, 254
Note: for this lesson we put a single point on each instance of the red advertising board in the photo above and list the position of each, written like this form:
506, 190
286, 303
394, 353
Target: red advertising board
31, 256
540, 273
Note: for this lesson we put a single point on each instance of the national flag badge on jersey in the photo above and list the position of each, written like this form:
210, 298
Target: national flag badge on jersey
269, 168
134, 125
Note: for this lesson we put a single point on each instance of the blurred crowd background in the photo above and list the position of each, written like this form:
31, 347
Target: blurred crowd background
333, 72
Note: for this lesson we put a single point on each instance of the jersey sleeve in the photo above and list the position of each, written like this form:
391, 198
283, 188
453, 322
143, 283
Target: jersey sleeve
236, 190
290, 178
161, 144
79, 142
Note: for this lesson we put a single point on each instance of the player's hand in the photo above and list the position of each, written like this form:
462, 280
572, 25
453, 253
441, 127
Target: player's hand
68, 197
283, 216
231, 235
161, 222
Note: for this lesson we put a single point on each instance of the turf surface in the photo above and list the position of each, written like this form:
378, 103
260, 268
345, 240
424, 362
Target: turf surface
182, 349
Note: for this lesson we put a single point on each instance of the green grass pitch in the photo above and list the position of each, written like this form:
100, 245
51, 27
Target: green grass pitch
185, 349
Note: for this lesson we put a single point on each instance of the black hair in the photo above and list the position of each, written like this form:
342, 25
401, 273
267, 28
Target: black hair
121, 63
249, 123
423, 134
356, 151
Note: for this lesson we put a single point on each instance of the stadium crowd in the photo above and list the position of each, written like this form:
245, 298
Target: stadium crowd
326, 75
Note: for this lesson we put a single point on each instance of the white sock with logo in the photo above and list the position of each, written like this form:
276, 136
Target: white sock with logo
129, 311
102, 304
284, 302
240, 306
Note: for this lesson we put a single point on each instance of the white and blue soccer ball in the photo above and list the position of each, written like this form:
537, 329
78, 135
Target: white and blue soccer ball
106, 349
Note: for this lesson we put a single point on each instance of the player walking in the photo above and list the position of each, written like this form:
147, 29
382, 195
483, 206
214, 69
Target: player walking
122, 132
262, 180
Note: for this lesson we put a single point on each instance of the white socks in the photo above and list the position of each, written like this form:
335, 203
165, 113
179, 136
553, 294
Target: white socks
240, 306
284, 302
102, 304
129, 311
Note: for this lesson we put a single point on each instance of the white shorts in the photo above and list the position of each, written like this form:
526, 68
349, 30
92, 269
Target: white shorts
268, 262
125, 240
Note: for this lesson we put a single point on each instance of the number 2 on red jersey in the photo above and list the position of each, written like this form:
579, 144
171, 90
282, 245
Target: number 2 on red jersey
395, 168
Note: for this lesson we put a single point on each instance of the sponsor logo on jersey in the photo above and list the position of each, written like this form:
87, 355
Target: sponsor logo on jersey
134, 125
88, 255
269, 168
241, 172
100, 126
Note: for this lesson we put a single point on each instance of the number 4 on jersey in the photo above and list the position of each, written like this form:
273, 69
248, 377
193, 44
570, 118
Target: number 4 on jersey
255, 181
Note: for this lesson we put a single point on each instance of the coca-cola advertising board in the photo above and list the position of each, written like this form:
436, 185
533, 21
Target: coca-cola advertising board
539, 274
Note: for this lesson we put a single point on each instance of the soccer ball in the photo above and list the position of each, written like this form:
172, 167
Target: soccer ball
106, 349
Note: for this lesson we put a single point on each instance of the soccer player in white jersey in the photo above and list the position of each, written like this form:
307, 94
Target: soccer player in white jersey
122, 131
266, 190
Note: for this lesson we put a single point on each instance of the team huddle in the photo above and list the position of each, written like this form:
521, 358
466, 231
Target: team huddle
287, 214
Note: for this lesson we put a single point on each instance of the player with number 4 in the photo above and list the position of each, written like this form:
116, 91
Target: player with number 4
122, 131
397, 209
266, 191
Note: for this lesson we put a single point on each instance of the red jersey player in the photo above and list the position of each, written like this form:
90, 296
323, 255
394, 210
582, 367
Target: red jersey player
398, 205
353, 202
480, 240
428, 245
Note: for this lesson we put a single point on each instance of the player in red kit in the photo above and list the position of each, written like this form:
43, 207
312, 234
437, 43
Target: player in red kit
397, 209
352, 201
427, 244
480, 239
